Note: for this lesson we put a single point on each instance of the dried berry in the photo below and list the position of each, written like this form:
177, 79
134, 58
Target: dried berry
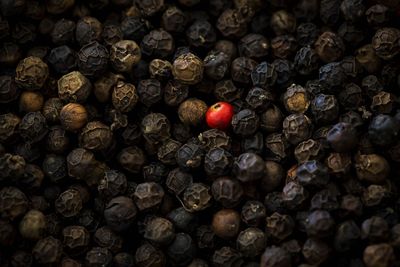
120, 213
124, 54
31, 73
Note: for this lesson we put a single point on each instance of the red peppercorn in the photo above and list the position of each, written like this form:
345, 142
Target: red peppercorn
219, 115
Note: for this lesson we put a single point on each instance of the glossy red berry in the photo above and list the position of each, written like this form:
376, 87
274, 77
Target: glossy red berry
219, 115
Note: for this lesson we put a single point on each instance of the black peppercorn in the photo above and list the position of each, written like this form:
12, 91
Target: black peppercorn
173, 20
132, 159
69, 203
196, 197
63, 32
250, 242
157, 43
283, 46
33, 127
242, 69
75, 238
149, 91
279, 226
216, 65
98, 256
147, 255
95, 136
342, 137
386, 42
253, 45
201, 34
275, 256
88, 29
383, 130
106, 238
48, 251
316, 251
217, 162
120, 213
227, 191
245, 122
93, 59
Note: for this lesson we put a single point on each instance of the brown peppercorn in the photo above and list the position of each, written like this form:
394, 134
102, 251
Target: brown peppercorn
31, 73
296, 99
48, 251
283, 22
231, 24
69, 203
159, 231
329, 47
106, 238
160, 69
148, 195
75, 239
30, 101
13, 203
74, 87
226, 223
156, 127
368, 59
73, 117
372, 167
124, 96
132, 159
386, 42
33, 225
192, 111
124, 55
188, 69
95, 136
379, 255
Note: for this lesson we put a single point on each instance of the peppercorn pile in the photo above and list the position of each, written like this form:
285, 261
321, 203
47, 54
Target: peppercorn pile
113, 151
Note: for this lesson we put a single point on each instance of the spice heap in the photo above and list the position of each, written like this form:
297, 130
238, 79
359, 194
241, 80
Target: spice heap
195, 133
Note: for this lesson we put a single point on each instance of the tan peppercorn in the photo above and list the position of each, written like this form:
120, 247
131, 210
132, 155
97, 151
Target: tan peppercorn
188, 69
124, 55
226, 223
73, 116
33, 225
296, 99
31, 73
329, 47
31, 101
124, 96
192, 111
74, 87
